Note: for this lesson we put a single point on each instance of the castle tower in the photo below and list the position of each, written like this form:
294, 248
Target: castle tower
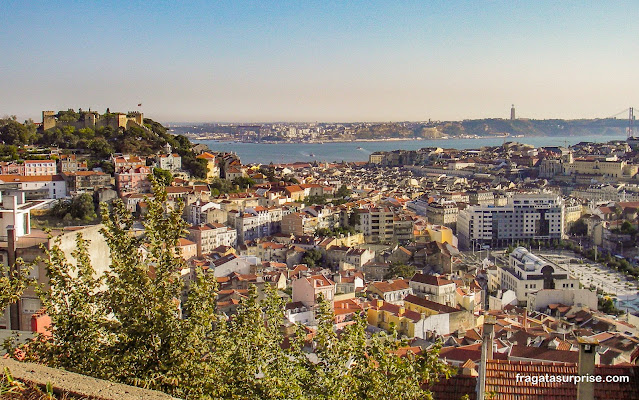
48, 120
512, 113
90, 120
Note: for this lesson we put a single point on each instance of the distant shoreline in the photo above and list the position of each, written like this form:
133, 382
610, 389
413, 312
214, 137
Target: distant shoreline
360, 150
453, 138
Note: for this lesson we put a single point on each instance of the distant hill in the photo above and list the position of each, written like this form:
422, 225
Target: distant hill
546, 127
495, 126
432, 130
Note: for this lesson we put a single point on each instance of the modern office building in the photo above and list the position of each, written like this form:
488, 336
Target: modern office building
528, 273
528, 216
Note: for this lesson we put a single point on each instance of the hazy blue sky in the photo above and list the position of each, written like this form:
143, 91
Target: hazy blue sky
324, 61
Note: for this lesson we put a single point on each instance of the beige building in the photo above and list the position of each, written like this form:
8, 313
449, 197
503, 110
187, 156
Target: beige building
444, 213
604, 168
392, 291
572, 212
376, 224
299, 224
441, 234
213, 170
376, 158
70, 163
28, 247
40, 167
481, 197
308, 289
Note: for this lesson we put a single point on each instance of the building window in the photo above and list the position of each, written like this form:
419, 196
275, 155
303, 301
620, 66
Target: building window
30, 306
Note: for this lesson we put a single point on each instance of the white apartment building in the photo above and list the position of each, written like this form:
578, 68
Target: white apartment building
36, 187
255, 222
209, 236
171, 162
528, 273
196, 212
327, 217
434, 288
608, 192
527, 216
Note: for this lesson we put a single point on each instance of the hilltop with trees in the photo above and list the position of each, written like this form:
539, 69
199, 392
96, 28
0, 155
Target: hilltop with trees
99, 142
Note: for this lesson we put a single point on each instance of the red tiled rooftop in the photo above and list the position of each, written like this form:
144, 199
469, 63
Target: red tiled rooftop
390, 286
501, 379
430, 279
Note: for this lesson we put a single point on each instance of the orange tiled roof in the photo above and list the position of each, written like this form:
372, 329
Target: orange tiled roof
501, 379
385, 287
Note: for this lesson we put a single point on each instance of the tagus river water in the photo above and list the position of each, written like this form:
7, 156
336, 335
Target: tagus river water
359, 151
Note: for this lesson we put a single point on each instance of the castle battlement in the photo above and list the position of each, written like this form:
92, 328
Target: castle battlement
93, 119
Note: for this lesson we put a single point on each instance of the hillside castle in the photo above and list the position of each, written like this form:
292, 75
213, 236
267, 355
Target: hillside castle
93, 119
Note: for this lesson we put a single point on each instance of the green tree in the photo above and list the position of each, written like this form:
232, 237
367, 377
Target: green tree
155, 348
250, 362
80, 337
196, 166
607, 306
354, 218
312, 258
9, 152
352, 366
269, 173
316, 199
141, 324
82, 207
165, 177
68, 116
221, 185
243, 182
131, 330
14, 133
400, 270
343, 191
13, 282
579, 228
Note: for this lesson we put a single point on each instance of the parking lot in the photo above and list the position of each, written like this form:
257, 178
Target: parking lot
599, 276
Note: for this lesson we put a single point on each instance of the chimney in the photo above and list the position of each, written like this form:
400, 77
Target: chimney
10, 202
401, 312
586, 367
525, 319
380, 303
14, 308
488, 335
